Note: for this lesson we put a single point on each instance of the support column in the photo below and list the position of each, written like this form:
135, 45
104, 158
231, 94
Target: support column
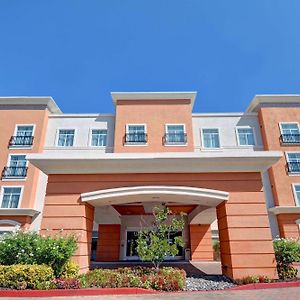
201, 242
108, 245
67, 214
245, 237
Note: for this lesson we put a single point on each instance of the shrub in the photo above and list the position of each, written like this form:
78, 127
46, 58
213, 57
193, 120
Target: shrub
287, 251
216, 248
26, 277
67, 283
70, 270
166, 279
31, 248
253, 279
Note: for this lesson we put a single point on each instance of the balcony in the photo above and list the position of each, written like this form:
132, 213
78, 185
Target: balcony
175, 139
14, 172
21, 141
135, 138
293, 167
290, 138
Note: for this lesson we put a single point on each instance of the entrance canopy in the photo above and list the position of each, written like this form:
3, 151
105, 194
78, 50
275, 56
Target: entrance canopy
162, 194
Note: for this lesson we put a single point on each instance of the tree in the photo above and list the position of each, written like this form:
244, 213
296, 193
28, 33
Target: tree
153, 244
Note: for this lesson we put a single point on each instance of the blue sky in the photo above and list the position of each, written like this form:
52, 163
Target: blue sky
79, 51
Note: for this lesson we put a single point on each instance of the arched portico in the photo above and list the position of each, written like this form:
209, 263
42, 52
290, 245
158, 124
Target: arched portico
120, 212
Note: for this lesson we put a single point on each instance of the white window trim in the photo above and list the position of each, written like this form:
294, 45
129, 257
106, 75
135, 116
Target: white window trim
11, 186
129, 144
297, 202
15, 133
238, 140
57, 138
282, 123
202, 140
287, 160
90, 138
174, 144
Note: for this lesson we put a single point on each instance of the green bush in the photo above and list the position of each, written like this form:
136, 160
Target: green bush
22, 277
216, 248
287, 251
31, 248
70, 270
165, 279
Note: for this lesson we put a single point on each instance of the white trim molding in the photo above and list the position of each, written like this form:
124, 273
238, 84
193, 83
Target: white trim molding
91, 162
18, 212
278, 210
180, 194
153, 96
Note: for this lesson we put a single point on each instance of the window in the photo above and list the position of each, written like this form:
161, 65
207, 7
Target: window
293, 161
136, 134
99, 137
11, 197
17, 167
23, 136
245, 136
175, 134
66, 137
290, 133
210, 138
297, 194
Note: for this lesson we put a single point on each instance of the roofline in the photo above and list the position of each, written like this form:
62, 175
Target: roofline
27, 100
259, 100
191, 95
229, 114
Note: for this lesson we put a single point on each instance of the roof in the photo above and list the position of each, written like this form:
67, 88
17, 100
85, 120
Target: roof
153, 96
26, 100
272, 100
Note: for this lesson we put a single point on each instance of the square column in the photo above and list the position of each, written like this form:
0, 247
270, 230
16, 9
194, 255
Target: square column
245, 237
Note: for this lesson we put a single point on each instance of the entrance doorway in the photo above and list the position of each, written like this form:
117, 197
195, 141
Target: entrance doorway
131, 245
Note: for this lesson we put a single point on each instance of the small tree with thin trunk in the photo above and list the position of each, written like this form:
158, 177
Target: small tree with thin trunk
153, 244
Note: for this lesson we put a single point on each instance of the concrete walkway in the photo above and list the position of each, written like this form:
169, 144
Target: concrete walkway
267, 294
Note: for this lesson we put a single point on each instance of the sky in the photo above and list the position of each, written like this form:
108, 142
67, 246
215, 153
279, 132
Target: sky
78, 51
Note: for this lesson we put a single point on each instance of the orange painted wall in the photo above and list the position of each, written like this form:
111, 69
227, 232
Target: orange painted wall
243, 221
8, 120
287, 225
201, 242
155, 114
65, 214
108, 244
281, 182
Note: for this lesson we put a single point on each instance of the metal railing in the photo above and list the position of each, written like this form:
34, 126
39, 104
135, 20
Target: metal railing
293, 167
290, 138
21, 141
175, 138
13, 172
136, 138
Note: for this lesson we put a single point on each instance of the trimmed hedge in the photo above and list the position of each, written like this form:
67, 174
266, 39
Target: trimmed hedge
21, 277
165, 279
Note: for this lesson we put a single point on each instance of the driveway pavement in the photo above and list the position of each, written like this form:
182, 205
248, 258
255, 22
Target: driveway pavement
291, 293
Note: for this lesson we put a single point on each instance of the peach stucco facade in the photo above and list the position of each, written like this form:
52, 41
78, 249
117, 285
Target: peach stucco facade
226, 172
280, 179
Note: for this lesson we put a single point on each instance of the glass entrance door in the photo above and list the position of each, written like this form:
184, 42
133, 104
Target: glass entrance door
131, 244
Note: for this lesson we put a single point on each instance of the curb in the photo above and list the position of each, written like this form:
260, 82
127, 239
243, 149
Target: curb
132, 291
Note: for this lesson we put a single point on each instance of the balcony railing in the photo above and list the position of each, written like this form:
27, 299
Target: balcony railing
135, 138
14, 172
290, 138
293, 166
175, 138
17, 141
